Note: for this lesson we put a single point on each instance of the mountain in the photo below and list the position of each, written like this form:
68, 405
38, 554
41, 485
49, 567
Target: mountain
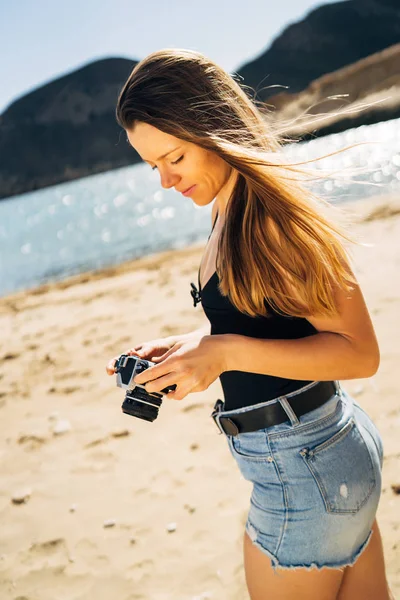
65, 129
363, 93
328, 38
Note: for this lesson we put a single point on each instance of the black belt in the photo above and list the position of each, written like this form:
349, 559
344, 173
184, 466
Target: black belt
273, 414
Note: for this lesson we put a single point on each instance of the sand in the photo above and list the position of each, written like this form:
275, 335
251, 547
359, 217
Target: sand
95, 504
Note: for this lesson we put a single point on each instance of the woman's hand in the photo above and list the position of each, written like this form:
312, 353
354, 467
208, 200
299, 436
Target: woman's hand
157, 349
148, 350
192, 365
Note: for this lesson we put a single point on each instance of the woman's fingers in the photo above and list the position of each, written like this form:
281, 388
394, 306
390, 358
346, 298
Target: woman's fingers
134, 350
157, 385
110, 368
144, 351
158, 359
180, 392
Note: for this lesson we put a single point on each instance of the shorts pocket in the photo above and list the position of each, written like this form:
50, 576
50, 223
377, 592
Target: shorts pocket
343, 469
253, 456
252, 445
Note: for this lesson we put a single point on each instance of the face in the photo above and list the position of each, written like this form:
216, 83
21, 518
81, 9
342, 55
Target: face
182, 165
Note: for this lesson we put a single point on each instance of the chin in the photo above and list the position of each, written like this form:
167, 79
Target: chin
202, 201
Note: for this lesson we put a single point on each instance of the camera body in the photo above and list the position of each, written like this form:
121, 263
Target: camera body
138, 402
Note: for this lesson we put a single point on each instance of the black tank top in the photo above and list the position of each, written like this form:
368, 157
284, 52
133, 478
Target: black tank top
241, 388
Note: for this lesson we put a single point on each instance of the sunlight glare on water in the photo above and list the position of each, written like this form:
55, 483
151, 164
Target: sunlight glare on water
123, 214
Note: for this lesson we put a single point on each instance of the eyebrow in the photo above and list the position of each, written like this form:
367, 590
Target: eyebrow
164, 155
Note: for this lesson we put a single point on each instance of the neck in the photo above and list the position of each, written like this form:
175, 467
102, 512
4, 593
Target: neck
222, 198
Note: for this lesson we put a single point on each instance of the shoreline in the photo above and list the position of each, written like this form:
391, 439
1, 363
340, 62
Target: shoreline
358, 211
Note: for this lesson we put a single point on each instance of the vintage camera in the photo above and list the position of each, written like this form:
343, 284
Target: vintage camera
138, 402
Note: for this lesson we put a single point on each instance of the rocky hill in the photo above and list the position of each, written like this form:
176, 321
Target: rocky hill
328, 38
66, 129
365, 92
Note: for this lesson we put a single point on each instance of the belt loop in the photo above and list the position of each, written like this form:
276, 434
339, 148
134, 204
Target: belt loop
215, 414
289, 411
338, 387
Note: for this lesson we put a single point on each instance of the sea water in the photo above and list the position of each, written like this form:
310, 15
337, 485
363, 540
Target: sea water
108, 218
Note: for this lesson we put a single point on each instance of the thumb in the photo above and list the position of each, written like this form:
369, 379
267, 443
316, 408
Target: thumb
165, 355
157, 359
144, 352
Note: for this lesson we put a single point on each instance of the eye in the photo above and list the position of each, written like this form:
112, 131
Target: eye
172, 163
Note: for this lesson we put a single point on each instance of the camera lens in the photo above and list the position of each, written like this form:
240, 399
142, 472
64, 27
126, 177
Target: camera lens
143, 405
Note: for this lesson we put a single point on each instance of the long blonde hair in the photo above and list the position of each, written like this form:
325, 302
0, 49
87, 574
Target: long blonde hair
275, 231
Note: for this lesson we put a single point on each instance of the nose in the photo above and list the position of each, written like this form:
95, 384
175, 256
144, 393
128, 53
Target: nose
168, 180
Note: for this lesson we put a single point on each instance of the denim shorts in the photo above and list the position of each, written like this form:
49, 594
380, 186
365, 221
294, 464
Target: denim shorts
316, 482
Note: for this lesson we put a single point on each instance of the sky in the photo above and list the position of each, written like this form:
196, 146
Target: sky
41, 40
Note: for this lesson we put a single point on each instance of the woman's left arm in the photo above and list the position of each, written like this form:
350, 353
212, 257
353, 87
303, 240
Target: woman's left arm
345, 346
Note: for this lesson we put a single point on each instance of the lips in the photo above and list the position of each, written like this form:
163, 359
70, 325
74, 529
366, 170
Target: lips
187, 189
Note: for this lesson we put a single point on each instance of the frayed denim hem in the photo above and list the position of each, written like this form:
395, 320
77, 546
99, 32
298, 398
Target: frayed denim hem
252, 533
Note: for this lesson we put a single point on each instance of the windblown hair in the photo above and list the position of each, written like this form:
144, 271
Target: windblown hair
276, 238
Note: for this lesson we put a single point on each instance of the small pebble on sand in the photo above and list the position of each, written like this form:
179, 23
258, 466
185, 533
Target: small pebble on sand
109, 523
61, 426
21, 496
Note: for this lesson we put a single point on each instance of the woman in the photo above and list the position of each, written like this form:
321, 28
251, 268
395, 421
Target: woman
288, 320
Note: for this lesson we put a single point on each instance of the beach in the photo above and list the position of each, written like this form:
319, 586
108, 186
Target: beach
98, 504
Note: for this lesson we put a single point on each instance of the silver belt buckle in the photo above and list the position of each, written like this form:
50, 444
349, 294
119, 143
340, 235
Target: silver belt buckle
217, 409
